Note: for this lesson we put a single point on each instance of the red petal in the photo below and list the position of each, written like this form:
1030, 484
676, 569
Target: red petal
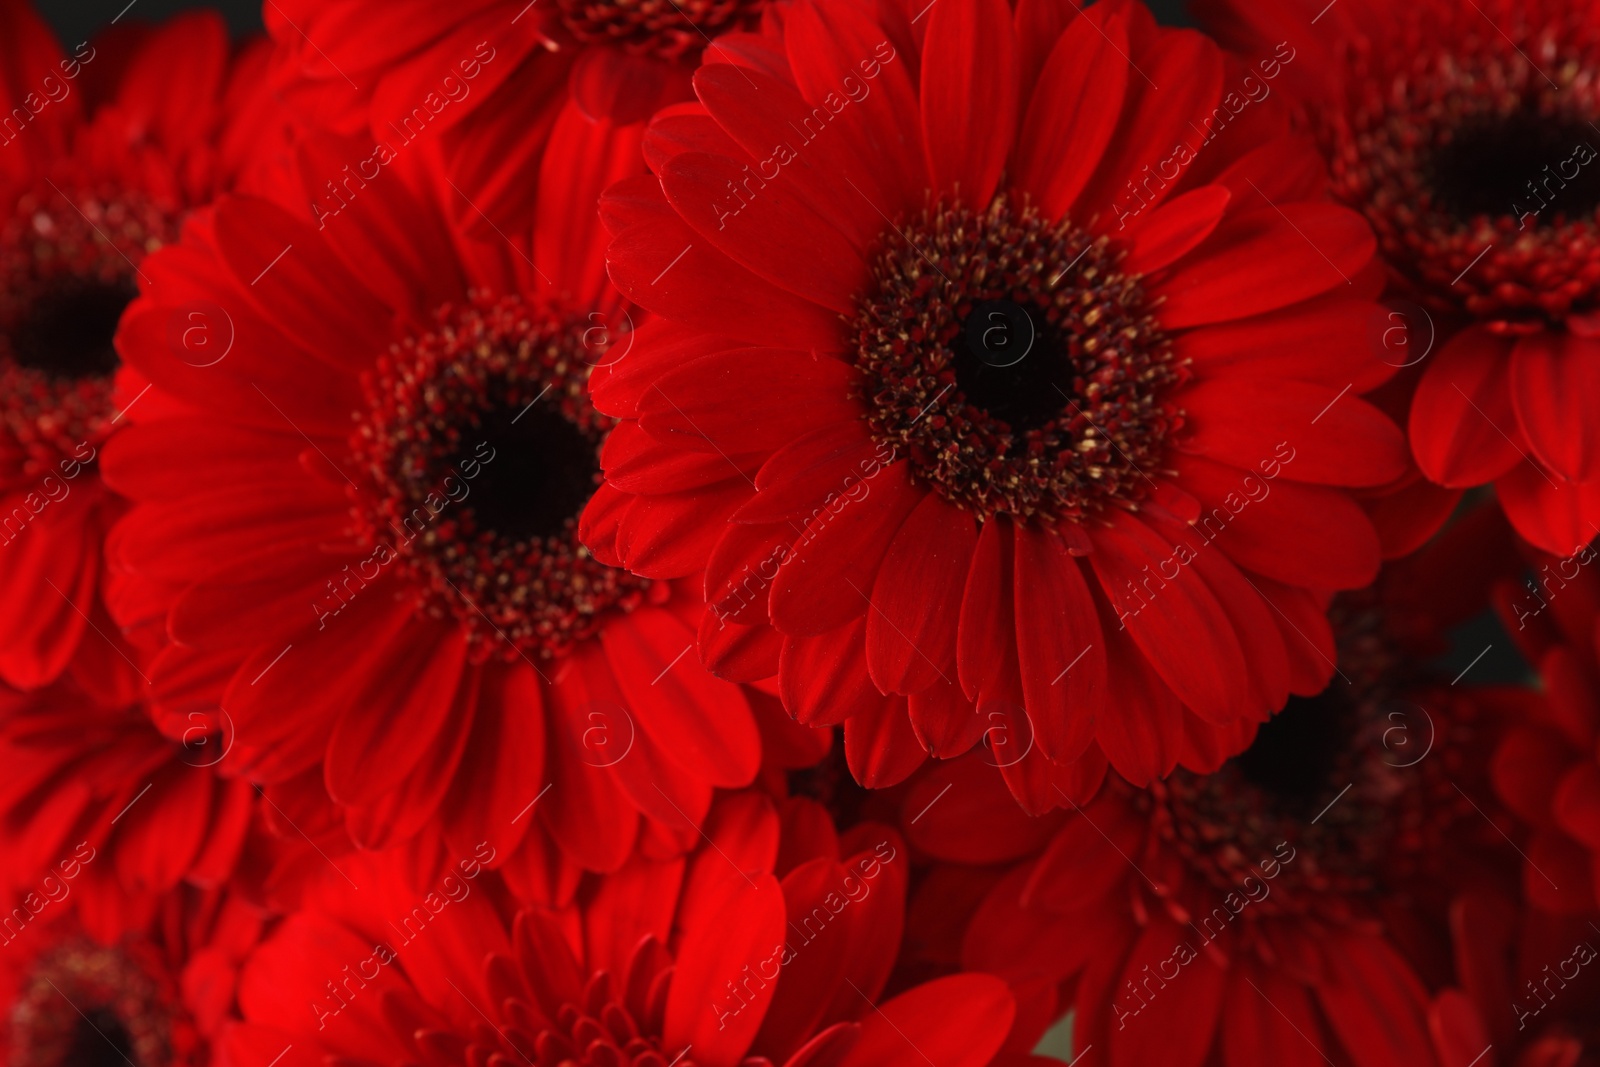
880, 746
969, 97
767, 120
1463, 430
703, 723
1328, 340
824, 679
825, 582
911, 629
985, 650
1074, 111
1262, 260
1174, 229
765, 227
1164, 1029
1310, 432
502, 766
392, 721
1187, 639
1297, 534
741, 930
1173, 90
660, 263
1555, 379
1268, 1018
957, 1021
880, 126
1557, 516
1375, 1003
1060, 648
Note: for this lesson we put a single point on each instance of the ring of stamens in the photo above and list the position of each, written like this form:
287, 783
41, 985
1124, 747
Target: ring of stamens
67, 270
1069, 429
480, 448
666, 28
1468, 164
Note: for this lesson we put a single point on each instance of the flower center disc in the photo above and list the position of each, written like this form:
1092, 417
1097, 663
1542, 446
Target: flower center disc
481, 448
67, 271
667, 28
85, 1005
1480, 176
1331, 780
1016, 364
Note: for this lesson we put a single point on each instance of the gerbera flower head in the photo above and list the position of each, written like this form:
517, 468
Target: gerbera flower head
1546, 768
101, 158
958, 417
156, 995
1303, 886
762, 945
378, 577
1463, 131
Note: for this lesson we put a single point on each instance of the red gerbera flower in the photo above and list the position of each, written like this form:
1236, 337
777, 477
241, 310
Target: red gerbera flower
98, 783
155, 996
358, 528
493, 73
1463, 131
967, 407
1547, 768
770, 944
102, 153
1287, 908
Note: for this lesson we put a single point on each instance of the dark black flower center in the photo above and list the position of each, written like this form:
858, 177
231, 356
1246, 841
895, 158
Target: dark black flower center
68, 263
99, 1040
1522, 164
1015, 364
1295, 754
67, 330
1477, 166
87, 1005
544, 471
481, 448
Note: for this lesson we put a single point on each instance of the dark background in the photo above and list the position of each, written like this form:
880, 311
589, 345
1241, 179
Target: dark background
75, 20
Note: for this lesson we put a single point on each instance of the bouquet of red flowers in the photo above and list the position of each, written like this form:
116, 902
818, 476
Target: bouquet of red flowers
801, 533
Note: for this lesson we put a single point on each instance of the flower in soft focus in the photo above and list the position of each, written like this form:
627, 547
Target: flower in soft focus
961, 413
1547, 768
491, 77
135, 813
1523, 988
1463, 131
103, 153
358, 527
771, 943
1290, 904
155, 996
